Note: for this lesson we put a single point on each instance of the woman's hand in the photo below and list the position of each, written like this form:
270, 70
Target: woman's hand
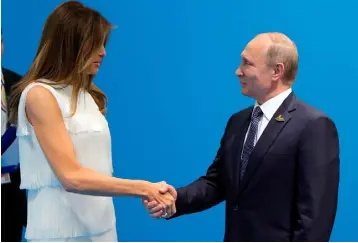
165, 201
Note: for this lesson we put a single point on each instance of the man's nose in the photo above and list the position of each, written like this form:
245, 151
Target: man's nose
239, 72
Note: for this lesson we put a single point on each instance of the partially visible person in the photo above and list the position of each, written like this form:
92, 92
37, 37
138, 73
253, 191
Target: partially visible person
64, 138
13, 200
277, 166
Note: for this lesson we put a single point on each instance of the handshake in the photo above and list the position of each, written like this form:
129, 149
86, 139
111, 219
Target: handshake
161, 202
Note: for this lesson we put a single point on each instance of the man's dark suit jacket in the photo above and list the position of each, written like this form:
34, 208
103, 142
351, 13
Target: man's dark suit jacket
13, 200
290, 187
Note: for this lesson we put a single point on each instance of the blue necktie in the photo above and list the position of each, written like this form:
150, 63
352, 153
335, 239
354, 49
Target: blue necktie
250, 140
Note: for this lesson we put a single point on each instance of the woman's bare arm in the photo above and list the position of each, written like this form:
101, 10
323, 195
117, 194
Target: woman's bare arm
45, 116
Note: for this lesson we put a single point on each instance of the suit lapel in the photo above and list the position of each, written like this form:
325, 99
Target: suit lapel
237, 146
273, 129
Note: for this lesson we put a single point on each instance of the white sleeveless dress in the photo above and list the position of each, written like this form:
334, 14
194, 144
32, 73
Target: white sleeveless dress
53, 213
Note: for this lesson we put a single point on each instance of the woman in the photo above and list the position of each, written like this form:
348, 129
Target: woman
64, 139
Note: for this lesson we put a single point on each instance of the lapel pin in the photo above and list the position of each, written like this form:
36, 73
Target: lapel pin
279, 118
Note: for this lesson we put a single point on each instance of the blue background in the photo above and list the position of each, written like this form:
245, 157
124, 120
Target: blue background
169, 76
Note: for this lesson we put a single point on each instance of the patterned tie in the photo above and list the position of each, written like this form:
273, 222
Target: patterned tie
250, 140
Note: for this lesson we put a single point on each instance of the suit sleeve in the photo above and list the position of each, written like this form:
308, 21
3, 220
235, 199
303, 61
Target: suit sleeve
11, 79
318, 179
207, 191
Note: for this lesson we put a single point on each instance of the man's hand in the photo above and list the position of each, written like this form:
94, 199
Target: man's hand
154, 208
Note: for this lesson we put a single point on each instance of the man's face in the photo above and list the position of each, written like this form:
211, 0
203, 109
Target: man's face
254, 74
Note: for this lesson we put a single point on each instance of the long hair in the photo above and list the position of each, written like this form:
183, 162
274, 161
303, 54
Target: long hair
72, 36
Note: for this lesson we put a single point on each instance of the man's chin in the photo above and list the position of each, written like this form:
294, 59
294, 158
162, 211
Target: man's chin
244, 92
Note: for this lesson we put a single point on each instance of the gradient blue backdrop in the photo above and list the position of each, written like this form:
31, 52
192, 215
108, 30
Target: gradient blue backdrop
169, 76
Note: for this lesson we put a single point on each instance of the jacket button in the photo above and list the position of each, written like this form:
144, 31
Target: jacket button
236, 208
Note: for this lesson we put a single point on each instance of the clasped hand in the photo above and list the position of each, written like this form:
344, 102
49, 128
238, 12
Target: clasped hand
161, 202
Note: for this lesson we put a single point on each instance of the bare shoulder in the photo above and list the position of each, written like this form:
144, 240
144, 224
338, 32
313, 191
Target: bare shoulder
41, 103
39, 93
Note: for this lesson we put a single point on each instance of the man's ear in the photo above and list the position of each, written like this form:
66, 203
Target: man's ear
278, 71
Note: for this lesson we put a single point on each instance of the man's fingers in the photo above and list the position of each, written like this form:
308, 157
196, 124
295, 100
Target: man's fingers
152, 203
174, 209
153, 207
157, 214
158, 208
172, 191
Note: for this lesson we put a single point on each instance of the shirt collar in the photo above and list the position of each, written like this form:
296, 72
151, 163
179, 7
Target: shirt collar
270, 107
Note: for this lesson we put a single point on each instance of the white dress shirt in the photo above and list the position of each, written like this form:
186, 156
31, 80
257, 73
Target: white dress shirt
268, 108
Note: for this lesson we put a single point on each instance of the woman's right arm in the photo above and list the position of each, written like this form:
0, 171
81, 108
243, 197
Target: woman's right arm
45, 116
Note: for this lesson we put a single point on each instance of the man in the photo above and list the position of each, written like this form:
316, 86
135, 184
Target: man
277, 167
13, 200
